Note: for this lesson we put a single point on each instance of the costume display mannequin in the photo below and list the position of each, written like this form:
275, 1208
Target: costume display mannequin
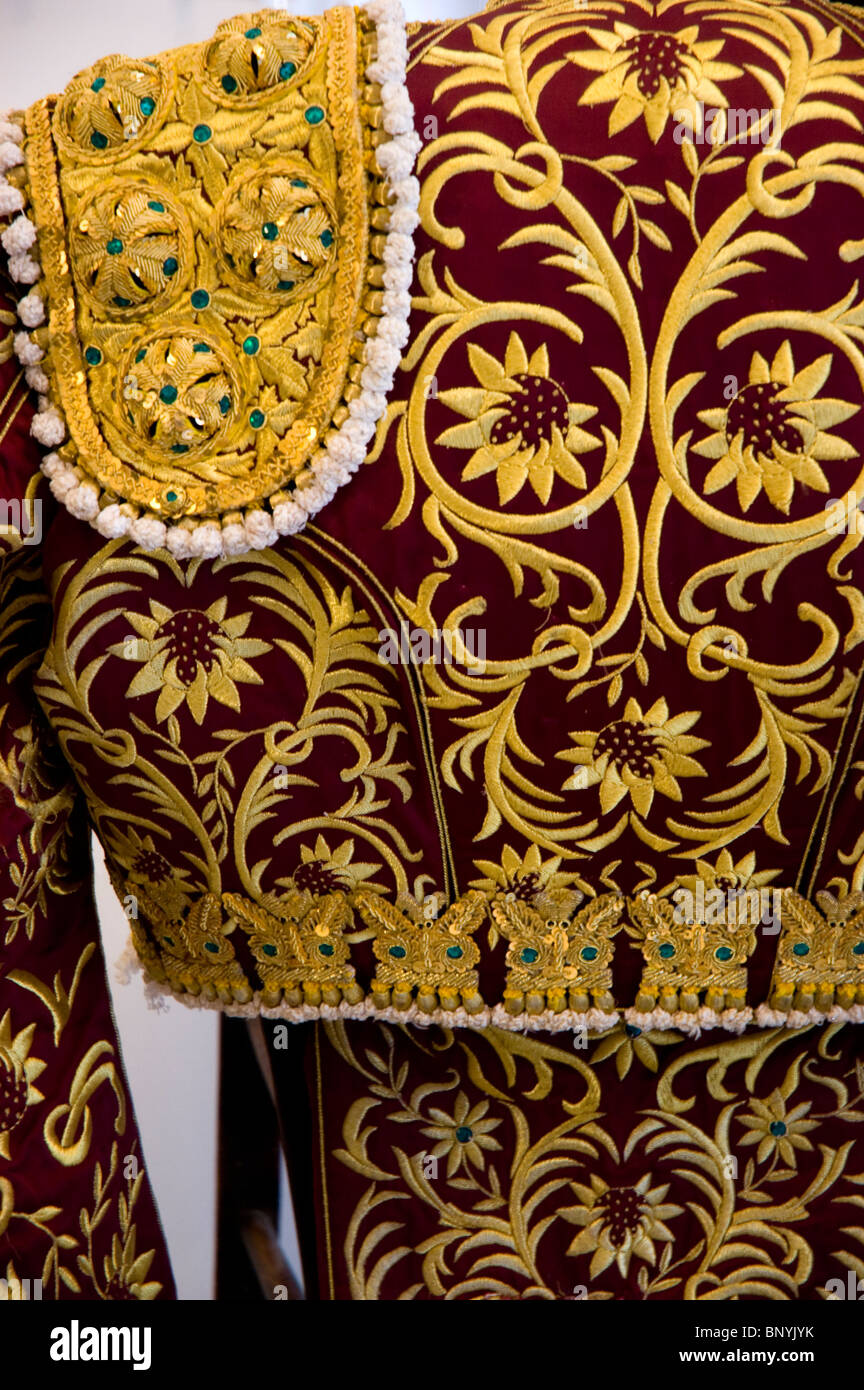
436, 579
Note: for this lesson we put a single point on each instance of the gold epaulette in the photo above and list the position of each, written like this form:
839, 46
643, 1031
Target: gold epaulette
214, 239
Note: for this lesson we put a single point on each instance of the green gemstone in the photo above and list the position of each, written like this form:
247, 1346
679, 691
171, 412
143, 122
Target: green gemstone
267, 948
97, 84
148, 106
93, 356
589, 953
287, 70
314, 115
169, 266
225, 404
169, 940
201, 134
631, 1030
463, 1134
170, 495
253, 33
200, 299
326, 949
257, 419
299, 183
229, 83
201, 347
858, 948
156, 207
529, 955
801, 949
270, 231
777, 1128
98, 140
285, 285
397, 951
114, 246
251, 345
179, 448
212, 947
454, 952
667, 950
140, 355
723, 953
326, 238
121, 302
168, 394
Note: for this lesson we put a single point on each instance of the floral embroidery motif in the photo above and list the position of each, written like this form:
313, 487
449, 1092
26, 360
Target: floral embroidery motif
463, 1136
18, 1072
278, 231
776, 431
322, 870
191, 656
524, 875
620, 1224
258, 52
778, 1131
523, 427
178, 391
654, 75
111, 108
637, 756
130, 247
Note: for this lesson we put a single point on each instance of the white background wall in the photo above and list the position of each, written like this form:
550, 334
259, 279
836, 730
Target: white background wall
170, 1057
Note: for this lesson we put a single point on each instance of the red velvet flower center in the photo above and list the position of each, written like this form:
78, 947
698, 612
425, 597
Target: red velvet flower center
629, 745
655, 56
622, 1207
152, 866
539, 405
13, 1096
315, 877
763, 418
191, 639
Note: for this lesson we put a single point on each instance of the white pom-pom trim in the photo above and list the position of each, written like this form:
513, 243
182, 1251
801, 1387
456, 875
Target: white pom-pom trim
344, 448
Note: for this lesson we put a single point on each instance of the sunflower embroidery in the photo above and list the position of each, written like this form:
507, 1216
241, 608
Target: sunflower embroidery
654, 75
620, 1223
190, 656
322, 870
18, 1071
728, 876
521, 425
638, 755
525, 875
775, 432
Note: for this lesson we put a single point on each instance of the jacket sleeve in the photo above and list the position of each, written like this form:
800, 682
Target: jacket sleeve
76, 1210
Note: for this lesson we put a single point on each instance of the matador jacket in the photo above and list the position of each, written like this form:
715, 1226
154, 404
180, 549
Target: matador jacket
432, 568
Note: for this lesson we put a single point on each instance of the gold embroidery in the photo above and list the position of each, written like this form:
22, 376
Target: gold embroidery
554, 959
820, 955
300, 948
688, 959
204, 230
434, 956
